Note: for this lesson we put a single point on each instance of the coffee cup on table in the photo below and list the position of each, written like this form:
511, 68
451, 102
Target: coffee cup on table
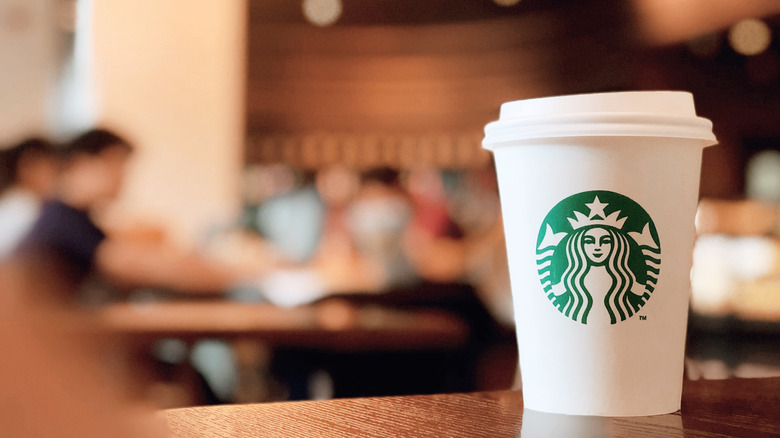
598, 195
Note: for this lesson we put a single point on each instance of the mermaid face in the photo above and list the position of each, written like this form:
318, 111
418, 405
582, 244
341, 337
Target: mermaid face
597, 244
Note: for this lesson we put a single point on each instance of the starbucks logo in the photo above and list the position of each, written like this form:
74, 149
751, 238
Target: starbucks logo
598, 256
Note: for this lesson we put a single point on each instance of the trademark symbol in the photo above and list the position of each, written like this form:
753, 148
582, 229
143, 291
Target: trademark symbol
642, 317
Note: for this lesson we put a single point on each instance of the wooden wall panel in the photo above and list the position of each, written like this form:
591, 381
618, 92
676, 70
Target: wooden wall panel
409, 80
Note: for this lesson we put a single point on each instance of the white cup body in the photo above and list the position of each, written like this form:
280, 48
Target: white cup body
608, 360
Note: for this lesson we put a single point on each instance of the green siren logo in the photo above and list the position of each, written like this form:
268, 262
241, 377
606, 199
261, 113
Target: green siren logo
598, 256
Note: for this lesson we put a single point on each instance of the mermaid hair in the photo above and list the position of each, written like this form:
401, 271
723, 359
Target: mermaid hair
623, 278
573, 278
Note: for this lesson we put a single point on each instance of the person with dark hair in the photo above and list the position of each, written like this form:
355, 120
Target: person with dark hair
67, 241
27, 178
94, 142
67, 236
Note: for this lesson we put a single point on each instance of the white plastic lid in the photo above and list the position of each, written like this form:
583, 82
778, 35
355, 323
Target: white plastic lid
669, 114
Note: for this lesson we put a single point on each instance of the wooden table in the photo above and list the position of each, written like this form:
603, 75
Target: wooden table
335, 325
710, 408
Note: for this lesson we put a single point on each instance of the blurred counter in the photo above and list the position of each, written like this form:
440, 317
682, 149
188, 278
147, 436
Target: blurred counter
736, 261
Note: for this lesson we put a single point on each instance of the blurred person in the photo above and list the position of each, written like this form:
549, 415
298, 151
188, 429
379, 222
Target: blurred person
427, 191
462, 264
433, 242
377, 218
459, 236
487, 266
66, 231
337, 259
413, 229
360, 257
67, 237
292, 217
29, 175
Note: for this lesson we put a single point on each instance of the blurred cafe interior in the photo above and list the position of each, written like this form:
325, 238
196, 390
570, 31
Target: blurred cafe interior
332, 149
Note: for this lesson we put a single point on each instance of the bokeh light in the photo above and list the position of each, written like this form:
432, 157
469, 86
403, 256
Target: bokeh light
750, 37
322, 12
762, 176
506, 2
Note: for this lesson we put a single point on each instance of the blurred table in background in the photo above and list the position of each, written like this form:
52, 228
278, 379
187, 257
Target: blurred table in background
278, 349
710, 408
335, 324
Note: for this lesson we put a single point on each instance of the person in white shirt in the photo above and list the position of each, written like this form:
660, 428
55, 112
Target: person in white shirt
28, 177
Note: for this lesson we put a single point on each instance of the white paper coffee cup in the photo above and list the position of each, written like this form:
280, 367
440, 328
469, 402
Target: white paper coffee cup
598, 194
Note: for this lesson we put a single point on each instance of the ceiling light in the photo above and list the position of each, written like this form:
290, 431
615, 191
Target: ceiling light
750, 37
322, 12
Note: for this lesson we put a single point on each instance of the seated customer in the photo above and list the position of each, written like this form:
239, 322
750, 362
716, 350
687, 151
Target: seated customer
66, 236
27, 178
67, 242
